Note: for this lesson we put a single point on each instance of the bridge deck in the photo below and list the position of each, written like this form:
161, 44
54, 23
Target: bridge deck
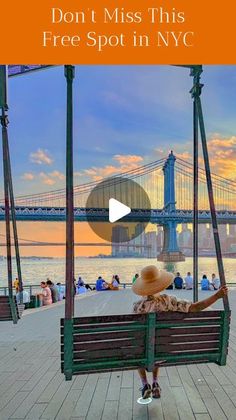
82, 214
32, 387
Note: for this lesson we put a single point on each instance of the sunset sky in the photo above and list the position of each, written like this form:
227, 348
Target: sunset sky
125, 116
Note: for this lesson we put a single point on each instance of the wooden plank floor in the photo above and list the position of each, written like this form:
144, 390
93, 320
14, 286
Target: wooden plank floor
32, 386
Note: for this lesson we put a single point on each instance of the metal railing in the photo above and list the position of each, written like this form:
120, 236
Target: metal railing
33, 289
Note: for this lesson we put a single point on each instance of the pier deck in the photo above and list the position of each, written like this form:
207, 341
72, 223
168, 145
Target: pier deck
32, 386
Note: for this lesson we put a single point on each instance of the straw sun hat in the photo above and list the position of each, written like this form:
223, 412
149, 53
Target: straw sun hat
152, 281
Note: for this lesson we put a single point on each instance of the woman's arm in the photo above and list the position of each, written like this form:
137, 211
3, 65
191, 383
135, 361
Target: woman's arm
203, 304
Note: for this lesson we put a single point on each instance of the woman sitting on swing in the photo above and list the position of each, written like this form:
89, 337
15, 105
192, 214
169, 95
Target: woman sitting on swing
149, 285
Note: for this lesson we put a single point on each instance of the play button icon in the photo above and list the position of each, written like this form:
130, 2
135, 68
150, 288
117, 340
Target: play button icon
117, 210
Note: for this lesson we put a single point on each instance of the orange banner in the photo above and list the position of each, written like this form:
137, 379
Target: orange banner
118, 32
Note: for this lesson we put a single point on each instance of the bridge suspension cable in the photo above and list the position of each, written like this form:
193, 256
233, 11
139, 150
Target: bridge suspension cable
150, 177
57, 197
224, 189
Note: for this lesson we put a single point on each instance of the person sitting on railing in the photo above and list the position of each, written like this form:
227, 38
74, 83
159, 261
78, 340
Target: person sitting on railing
81, 283
81, 290
149, 285
114, 283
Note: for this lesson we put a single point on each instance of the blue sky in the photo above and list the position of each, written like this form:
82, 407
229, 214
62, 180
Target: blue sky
124, 115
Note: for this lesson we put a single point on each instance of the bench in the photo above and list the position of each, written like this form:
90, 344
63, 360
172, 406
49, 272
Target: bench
125, 342
8, 309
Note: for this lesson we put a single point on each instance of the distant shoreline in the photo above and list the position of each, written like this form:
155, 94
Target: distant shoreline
33, 257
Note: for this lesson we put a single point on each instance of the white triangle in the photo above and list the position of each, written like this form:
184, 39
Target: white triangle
117, 210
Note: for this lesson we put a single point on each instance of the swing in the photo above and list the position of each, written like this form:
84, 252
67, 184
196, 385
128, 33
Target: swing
123, 342
9, 309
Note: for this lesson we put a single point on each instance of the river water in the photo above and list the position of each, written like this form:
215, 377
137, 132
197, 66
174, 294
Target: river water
36, 270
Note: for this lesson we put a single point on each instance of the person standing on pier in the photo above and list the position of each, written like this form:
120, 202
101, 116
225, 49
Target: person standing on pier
46, 293
16, 285
149, 285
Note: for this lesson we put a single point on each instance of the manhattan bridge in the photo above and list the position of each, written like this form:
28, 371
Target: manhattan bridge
169, 185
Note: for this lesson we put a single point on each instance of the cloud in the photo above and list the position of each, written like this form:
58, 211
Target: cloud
28, 176
77, 173
99, 173
57, 174
218, 141
46, 179
184, 156
52, 177
125, 163
223, 156
128, 159
41, 157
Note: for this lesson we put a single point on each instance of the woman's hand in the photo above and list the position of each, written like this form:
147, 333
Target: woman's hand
223, 291
203, 304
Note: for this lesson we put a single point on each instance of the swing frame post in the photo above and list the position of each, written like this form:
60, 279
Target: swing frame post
224, 338
14, 225
69, 307
9, 197
196, 73
196, 91
69, 304
68, 349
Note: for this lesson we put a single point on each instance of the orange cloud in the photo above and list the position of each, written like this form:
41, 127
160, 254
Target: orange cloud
223, 156
128, 159
57, 175
184, 156
52, 177
46, 179
27, 176
126, 163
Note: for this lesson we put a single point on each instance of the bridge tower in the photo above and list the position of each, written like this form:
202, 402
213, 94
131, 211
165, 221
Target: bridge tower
170, 251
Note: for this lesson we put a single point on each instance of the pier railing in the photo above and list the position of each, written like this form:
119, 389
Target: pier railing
33, 289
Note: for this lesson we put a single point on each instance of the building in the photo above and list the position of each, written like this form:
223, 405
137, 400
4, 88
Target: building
185, 237
232, 230
120, 234
160, 238
150, 241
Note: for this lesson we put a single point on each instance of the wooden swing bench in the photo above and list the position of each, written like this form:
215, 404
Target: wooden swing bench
126, 342
9, 309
